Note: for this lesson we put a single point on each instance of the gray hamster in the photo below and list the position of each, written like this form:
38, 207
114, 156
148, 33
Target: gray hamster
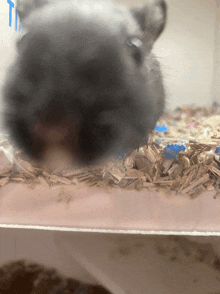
85, 79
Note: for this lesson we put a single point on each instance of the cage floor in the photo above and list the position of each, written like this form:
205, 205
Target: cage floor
83, 208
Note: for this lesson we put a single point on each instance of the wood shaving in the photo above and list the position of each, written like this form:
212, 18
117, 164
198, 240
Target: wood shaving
191, 173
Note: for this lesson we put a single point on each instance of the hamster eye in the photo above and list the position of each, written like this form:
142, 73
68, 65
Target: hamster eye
136, 45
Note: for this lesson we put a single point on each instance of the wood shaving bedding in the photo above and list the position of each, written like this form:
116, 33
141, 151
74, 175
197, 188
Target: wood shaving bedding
191, 173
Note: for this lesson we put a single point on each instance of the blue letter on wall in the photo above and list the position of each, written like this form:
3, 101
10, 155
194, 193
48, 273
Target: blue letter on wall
16, 19
10, 10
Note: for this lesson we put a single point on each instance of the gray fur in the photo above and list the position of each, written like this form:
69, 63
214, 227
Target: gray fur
85, 68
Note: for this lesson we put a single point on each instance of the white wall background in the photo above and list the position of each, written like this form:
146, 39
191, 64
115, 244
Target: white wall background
185, 49
8, 36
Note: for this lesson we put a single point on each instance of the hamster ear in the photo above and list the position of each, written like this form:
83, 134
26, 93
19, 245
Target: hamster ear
151, 18
25, 7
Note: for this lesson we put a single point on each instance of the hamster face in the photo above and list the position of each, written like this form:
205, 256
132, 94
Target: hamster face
85, 80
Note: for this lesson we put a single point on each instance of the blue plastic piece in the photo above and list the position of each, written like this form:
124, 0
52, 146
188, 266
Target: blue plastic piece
161, 128
217, 149
177, 148
172, 150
